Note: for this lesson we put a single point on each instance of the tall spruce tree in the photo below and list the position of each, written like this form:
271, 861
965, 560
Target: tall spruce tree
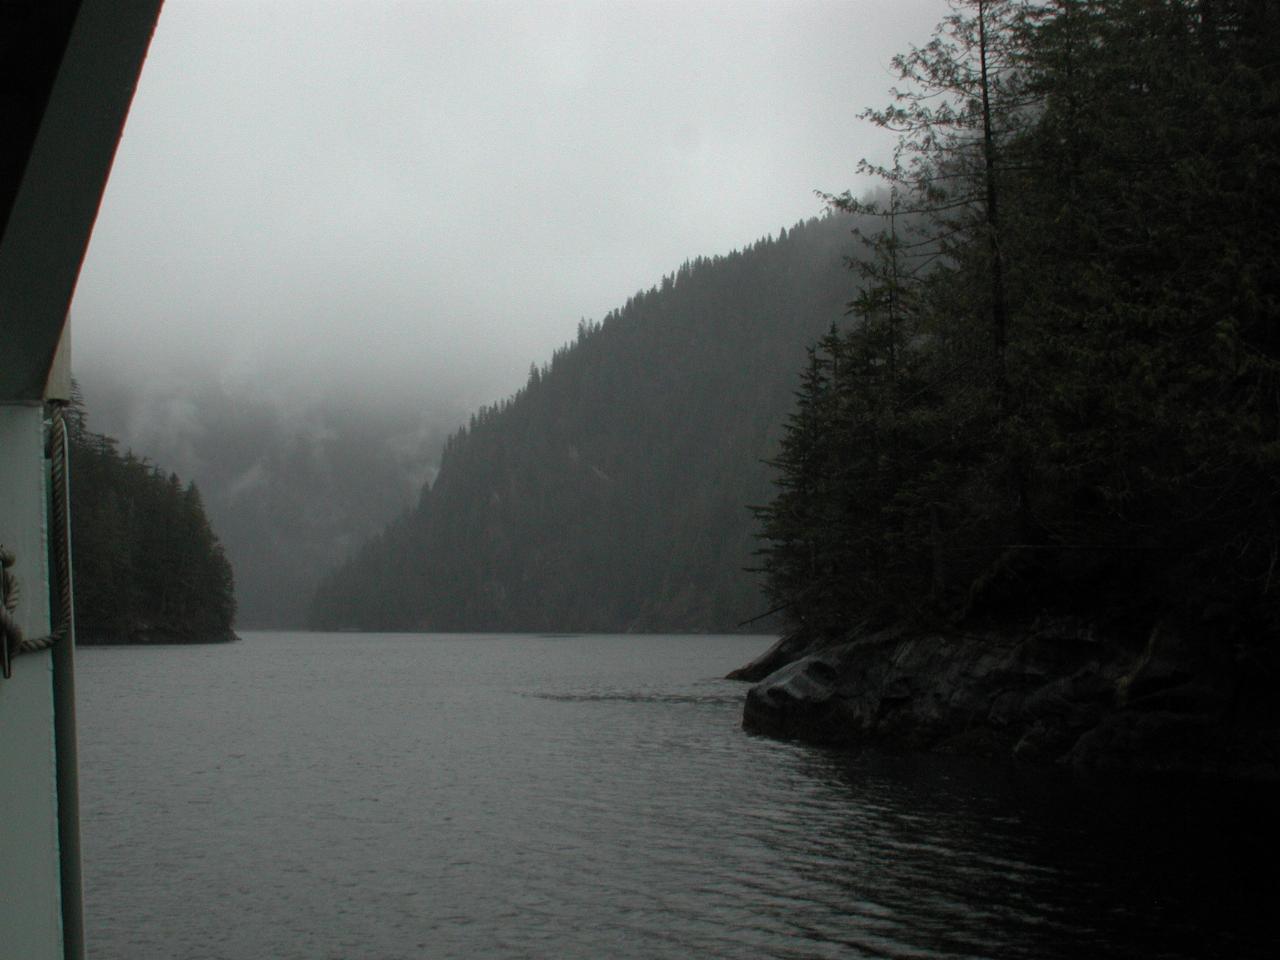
1091, 418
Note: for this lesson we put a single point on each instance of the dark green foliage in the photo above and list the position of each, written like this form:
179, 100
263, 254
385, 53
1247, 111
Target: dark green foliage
608, 493
1081, 409
146, 565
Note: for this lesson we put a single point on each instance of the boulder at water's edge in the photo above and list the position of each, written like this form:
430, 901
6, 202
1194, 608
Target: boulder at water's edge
1052, 693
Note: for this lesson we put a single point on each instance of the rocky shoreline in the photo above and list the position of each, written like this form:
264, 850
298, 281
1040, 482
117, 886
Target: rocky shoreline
1052, 692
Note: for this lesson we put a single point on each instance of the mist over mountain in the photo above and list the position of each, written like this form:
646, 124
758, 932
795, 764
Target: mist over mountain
291, 485
610, 492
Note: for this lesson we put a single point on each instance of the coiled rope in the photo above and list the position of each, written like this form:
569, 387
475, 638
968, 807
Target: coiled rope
12, 642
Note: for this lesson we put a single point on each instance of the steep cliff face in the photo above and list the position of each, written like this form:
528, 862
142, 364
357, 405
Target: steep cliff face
1054, 692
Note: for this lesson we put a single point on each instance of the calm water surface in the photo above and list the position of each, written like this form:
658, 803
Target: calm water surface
394, 796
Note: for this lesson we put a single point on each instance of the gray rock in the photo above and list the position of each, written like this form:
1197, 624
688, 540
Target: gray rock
781, 653
1050, 693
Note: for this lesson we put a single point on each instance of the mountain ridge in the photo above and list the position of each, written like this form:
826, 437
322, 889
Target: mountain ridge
611, 492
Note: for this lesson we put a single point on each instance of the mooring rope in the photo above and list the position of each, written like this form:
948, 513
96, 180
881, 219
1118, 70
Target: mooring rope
11, 638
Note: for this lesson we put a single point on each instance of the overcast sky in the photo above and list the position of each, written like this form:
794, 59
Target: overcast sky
371, 197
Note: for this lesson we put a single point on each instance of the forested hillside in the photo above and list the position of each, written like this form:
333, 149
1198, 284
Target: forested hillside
146, 566
610, 492
1064, 392
291, 484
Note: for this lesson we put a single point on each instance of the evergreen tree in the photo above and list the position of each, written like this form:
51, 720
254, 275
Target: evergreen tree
1087, 417
146, 565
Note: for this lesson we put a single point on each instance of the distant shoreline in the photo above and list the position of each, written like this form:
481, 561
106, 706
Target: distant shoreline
152, 638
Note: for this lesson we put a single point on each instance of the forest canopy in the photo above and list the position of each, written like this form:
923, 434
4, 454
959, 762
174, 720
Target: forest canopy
146, 567
1062, 391
1056, 387
609, 493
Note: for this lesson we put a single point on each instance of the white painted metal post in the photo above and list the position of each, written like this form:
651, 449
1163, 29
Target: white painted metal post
30, 912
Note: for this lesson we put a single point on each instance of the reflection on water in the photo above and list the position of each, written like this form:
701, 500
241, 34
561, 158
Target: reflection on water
971, 859
362, 796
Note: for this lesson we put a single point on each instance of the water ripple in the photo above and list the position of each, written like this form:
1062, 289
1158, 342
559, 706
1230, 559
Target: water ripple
594, 797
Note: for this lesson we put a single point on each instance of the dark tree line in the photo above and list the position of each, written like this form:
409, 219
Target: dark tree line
146, 566
1062, 388
608, 493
